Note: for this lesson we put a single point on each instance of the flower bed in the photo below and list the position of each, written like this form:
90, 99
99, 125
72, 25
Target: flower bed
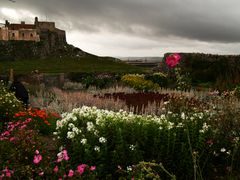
112, 139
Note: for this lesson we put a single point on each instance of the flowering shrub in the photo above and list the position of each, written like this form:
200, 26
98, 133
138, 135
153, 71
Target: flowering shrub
23, 155
43, 121
110, 139
138, 82
9, 104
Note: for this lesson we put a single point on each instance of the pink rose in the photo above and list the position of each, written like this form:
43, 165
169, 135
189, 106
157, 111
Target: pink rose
55, 169
92, 168
81, 168
37, 157
70, 173
173, 59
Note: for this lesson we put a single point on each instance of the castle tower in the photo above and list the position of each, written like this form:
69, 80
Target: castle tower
36, 21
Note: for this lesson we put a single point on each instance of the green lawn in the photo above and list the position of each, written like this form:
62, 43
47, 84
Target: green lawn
89, 63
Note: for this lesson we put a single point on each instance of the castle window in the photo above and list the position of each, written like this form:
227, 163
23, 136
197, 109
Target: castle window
22, 34
13, 34
31, 35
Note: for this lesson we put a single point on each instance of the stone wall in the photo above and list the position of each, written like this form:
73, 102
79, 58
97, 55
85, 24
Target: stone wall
19, 35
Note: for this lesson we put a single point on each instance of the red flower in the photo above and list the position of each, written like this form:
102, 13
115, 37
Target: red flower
173, 59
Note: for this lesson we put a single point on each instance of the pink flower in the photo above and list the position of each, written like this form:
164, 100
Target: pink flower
37, 157
92, 168
8, 172
23, 126
55, 169
41, 173
6, 133
65, 155
81, 168
62, 156
12, 139
173, 59
70, 173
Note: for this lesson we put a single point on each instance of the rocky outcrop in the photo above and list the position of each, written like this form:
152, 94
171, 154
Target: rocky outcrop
17, 50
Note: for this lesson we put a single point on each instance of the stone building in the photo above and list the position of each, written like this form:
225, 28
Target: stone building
39, 31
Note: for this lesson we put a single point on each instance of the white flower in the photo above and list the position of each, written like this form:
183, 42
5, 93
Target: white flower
90, 126
71, 125
205, 127
180, 125
183, 115
162, 117
97, 148
102, 140
70, 135
83, 141
129, 168
76, 130
223, 150
166, 102
132, 147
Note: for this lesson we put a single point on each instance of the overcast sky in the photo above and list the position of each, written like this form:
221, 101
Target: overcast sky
137, 27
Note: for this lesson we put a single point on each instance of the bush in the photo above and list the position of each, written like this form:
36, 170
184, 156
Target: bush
9, 104
158, 78
43, 121
111, 139
138, 82
23, 155
101, 80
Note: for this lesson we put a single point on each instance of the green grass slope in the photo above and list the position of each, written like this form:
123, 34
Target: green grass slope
88, 63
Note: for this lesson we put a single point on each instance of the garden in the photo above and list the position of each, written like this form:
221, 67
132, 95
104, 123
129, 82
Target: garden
156, 125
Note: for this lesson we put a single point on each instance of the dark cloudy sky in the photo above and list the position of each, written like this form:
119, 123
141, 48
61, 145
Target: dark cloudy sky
137, 27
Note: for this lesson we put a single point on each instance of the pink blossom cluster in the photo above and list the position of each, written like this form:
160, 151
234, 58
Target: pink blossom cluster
6, 173
172, 60
37, 157
6, 135
80, 170
63, 155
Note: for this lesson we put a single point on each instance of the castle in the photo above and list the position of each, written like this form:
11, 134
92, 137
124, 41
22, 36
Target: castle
39, 31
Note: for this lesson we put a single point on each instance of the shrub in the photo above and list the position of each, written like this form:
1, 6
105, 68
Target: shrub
9, 104
111, 139
43, 121
139, 83
100, 80
23, 155
158, 78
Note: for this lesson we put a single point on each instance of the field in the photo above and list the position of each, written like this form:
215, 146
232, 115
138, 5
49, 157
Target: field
89, 63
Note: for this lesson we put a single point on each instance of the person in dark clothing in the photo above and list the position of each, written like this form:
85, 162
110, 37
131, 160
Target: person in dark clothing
20, 92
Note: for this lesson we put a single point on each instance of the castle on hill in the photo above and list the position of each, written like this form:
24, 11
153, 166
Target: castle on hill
39, 31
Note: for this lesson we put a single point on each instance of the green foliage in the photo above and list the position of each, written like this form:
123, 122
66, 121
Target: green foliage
158, 78
112, 139
183, 80
237, 91
145, 170
138, 82
99, 80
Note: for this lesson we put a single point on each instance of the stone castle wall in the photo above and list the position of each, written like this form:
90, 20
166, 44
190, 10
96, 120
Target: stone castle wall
39, 31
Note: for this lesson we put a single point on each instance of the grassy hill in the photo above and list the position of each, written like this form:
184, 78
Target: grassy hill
88, 63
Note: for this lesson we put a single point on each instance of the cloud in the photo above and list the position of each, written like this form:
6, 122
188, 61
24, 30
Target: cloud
155, 22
